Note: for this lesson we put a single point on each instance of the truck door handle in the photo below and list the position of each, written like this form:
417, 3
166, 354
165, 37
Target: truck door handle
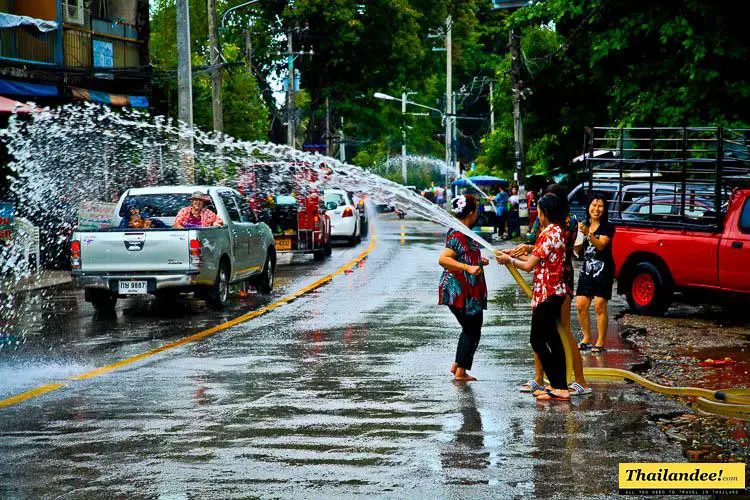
736, 244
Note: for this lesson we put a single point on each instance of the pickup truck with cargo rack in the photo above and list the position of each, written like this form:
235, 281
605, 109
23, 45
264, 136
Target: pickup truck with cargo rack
687, 229
121, 262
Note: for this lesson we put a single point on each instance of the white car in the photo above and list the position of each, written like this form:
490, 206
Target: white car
345, 221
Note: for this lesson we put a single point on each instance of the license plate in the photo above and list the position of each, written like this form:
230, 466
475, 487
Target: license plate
133, 288
488, 208
283, 244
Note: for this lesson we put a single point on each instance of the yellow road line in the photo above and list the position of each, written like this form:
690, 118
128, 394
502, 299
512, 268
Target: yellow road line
192, 338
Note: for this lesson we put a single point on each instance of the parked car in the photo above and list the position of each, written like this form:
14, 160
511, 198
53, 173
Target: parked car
667, 207
114, 262
345, 221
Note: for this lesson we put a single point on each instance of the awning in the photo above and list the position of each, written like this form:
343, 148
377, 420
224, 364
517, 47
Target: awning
134, 101
15, 87
11, 106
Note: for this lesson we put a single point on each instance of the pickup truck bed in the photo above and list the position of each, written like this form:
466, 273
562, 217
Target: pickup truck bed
115, 262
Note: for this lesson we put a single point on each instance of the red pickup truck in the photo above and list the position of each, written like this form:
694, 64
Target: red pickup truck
677, 240
652, 263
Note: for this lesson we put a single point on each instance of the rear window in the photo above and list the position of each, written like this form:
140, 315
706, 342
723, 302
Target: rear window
161, 205
745, 217
336, 198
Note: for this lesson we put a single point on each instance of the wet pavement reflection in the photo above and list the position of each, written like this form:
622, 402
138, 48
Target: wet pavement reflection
345, 391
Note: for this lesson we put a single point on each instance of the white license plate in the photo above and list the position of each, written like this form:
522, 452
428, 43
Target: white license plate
488, 208
133, 288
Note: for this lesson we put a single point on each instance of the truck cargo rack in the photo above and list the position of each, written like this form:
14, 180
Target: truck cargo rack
670, 177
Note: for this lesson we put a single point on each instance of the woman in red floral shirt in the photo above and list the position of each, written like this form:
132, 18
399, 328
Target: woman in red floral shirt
462, 286
547, 261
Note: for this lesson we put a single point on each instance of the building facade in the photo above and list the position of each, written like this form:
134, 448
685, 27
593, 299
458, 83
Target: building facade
58, 51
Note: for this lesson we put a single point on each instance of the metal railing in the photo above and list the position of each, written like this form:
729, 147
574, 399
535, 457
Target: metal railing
28, 44
680, 177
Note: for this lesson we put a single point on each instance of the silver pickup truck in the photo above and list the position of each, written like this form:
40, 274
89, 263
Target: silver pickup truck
122, 261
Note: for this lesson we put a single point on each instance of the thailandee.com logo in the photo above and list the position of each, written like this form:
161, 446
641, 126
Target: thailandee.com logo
682, 479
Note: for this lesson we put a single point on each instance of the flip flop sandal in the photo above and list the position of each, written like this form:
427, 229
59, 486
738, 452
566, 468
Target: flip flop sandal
579, 390
541, 391
551, 396
582, 346
597, 349
531, 386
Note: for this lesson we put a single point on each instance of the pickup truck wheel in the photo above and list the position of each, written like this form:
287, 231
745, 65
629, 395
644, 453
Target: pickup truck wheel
218, 296
101, 300
265, 285
648, 292
319, 255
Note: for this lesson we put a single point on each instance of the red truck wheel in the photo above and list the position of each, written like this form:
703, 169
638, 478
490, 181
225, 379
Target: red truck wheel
648, 292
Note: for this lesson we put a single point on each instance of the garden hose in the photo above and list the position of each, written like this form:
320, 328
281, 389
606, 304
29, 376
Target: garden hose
733, 403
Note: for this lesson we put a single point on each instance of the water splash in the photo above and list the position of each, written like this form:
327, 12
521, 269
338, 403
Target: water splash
86, 152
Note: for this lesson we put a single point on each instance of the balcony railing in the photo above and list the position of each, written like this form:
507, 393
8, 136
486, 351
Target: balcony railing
28, 44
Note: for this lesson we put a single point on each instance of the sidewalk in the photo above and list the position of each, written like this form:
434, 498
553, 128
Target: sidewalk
46, 279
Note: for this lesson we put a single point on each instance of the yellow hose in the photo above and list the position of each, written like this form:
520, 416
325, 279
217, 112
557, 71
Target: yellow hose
733, 403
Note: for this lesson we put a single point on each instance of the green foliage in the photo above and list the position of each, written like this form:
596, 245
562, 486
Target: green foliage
615, 63
245, 112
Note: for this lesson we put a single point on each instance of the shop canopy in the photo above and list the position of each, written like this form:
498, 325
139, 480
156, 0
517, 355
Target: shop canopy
134, 101
11, 106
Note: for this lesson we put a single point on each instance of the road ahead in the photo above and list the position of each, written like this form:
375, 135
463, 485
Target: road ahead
344, 391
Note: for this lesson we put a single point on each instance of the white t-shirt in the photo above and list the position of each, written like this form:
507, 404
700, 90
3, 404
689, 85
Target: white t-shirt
513, 200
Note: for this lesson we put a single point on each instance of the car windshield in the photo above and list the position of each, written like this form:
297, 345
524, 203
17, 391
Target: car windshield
160, 205
336, 198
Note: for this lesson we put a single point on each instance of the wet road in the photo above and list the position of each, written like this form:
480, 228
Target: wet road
343, 392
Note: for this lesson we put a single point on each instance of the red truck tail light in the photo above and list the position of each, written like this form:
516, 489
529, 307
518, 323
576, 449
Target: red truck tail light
347, 212
75, 254
195, 253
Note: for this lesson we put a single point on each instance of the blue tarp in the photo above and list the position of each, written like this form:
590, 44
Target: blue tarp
12, 87
12, 21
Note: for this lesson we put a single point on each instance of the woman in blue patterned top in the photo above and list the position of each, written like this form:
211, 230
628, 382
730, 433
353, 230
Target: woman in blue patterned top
462, 285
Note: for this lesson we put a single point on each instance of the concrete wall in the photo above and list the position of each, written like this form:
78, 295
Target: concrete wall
114, 9
40, 9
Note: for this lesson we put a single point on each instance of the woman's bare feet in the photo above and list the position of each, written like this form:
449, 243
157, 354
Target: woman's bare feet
454, 365
463, 376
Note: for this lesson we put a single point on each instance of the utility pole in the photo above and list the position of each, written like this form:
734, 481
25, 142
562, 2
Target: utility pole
328, 127
403, 137
515, 71
454, 142
342, 148
249, 51
290, 131
290, 55
448, 97
492, 107
185, 90
214, 60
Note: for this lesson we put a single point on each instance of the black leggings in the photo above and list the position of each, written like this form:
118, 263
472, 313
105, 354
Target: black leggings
468, 341
545, 340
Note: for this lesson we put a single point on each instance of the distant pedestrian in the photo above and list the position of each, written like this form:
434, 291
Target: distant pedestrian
570, 226
501, 211
598, 272
462, 285
514, 222
439, 199
547, 261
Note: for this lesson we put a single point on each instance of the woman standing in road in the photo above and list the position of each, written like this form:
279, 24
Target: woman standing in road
514, 222
462, 285
570, 226
547, 260
598, 272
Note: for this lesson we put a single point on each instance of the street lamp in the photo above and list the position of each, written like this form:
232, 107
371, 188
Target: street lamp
404, 102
